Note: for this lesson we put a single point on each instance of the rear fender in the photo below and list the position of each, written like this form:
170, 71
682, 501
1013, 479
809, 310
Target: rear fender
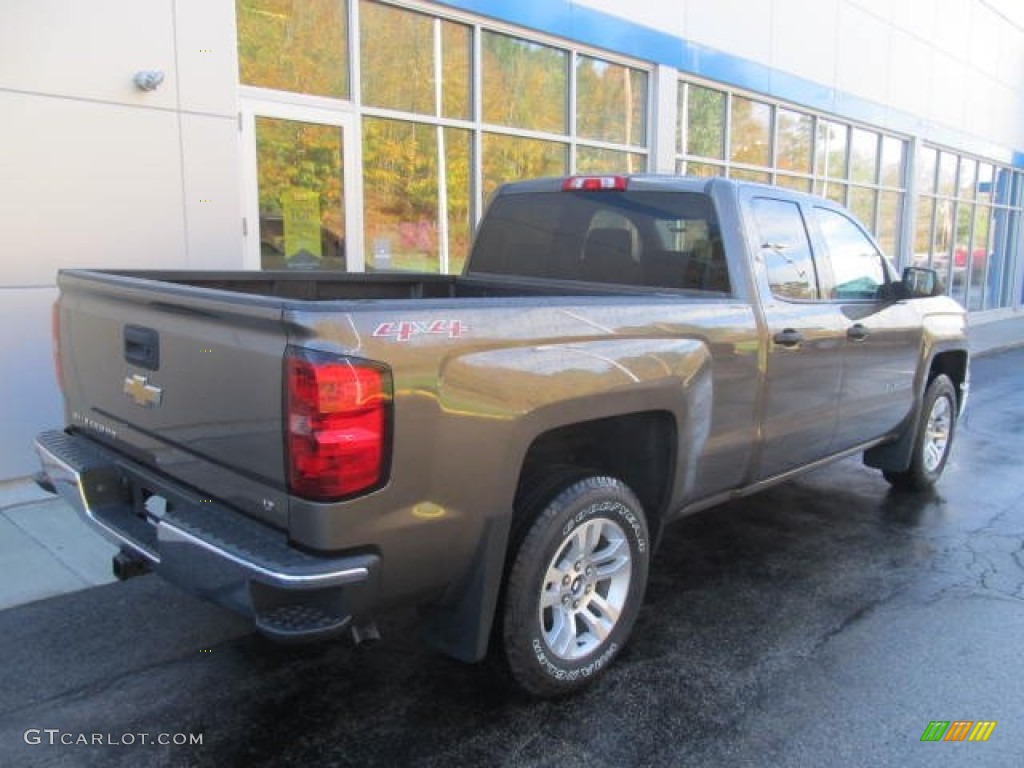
525, 392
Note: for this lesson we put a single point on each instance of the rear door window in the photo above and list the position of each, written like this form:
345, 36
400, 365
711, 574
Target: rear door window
785, 249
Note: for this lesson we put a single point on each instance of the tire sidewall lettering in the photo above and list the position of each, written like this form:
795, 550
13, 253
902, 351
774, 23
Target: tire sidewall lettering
570, 675
610, 509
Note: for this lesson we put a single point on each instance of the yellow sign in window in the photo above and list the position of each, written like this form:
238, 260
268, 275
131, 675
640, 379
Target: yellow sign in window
301, 210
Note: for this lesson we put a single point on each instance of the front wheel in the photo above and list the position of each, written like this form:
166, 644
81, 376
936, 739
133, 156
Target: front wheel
575, 586
934, 438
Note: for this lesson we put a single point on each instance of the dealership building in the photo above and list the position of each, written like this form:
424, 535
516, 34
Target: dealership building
355, 135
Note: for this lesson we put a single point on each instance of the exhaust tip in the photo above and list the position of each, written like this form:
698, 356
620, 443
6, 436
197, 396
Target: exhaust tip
364, 632
128, 566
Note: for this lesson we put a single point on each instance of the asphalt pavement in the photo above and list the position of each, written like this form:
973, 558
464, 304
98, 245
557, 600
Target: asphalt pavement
826, 621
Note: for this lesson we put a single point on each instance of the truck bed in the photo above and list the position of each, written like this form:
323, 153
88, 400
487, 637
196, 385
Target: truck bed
327, 286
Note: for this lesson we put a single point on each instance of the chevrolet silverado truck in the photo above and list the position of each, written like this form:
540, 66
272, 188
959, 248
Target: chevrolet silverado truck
501, 448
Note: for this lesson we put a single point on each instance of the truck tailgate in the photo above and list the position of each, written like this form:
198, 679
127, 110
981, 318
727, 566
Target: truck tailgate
186, 381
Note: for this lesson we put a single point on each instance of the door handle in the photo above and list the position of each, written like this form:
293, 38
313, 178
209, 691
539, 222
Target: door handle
857, 332
142, 347
788, 338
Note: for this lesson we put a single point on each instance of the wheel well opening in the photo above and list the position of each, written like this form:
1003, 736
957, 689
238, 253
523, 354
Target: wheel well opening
953, 365
637, 448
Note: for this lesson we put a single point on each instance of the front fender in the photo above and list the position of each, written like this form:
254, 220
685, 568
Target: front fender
944, 331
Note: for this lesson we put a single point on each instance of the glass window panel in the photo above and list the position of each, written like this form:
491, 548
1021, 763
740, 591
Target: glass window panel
750, 133
795, 141
743, 174
456, 74
968, 180
979, 258
798, 183
400, 185
923, 232
508, 158
947, 174
942, 238
300, 182
701, 169
985, 182
830, 154
705, 128
962, 251
1002, 187
395, 42
301, 47
890, 221
857, 270
943, 225
525, 84
599, 160
863, 155
785, 249
891, 166
1005, 236
834, 191
611, 102
458, 178
862, 204
1000, 227
927, 159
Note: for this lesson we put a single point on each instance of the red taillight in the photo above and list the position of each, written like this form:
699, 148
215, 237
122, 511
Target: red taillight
58, 369
595, 184
337, 424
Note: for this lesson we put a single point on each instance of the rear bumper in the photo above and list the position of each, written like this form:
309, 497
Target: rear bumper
207, 547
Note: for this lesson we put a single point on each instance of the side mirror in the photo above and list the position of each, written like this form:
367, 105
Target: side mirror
919, 283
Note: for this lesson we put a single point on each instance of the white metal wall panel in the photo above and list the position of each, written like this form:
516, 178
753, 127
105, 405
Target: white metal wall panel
212, 192
207, 57
99, 173
804, 37
87, 184
87, 50
29, 399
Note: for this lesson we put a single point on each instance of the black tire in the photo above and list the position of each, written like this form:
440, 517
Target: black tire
558, 633
931, 449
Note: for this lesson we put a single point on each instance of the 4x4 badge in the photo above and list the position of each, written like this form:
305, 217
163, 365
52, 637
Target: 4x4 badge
142, 392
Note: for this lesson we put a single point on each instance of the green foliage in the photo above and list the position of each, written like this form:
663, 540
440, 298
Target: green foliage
303, 47
294, 46
526, 84
611, 102
705, 129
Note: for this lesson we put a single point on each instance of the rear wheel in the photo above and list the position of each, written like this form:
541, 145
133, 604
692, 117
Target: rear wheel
934, 438
575, 586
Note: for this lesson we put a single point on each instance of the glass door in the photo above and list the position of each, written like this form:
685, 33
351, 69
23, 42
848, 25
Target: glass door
301, 190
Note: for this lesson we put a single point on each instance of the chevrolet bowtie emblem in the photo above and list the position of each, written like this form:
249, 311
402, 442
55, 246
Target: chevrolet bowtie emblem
142, 392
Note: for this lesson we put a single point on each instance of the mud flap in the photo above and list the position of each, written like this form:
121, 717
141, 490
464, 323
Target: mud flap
460, 626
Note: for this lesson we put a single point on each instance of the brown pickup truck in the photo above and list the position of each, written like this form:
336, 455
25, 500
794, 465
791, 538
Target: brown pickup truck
501, 448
